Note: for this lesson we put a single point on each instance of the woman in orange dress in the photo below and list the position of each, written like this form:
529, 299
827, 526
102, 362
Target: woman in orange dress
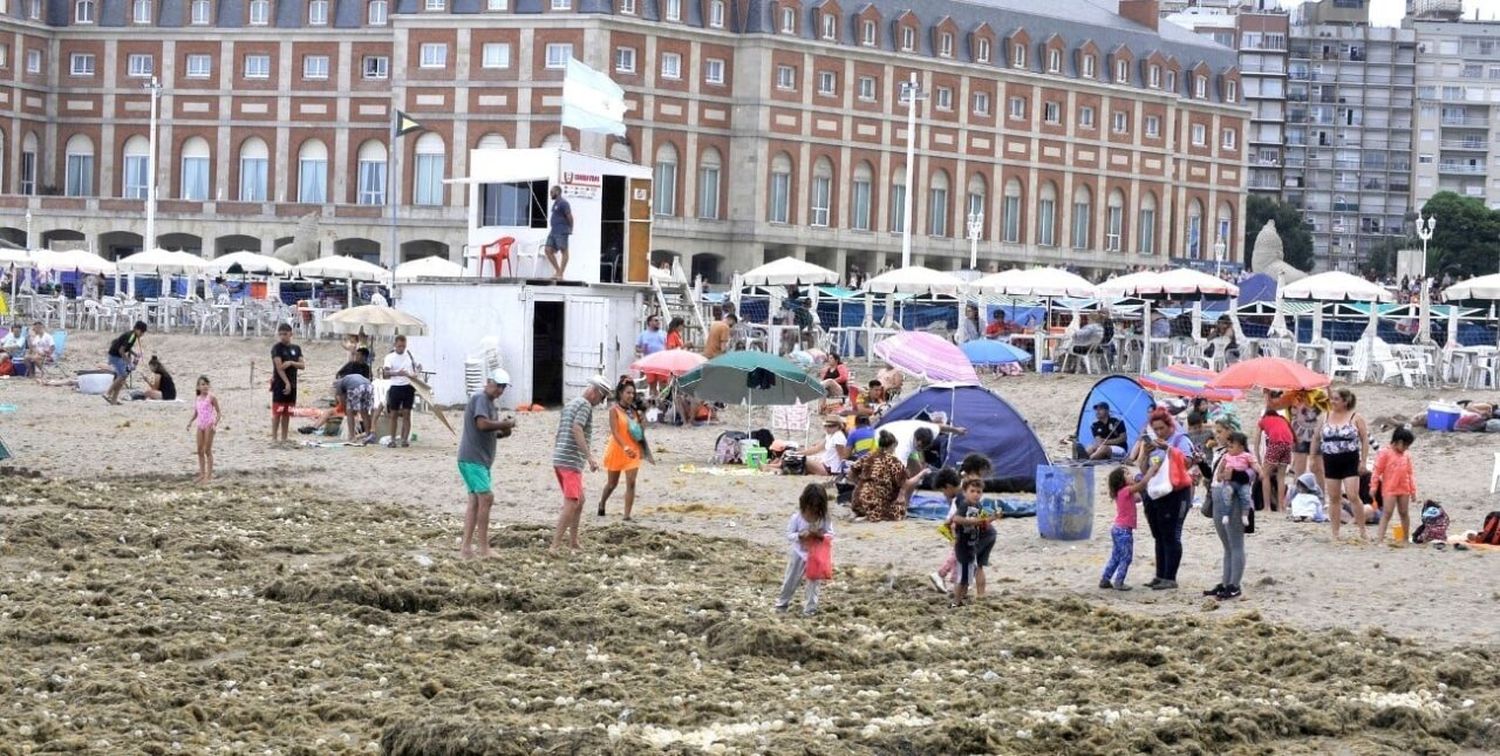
626, 445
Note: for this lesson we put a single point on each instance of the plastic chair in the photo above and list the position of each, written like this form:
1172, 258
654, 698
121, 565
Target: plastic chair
59, 342
498, 253
1495, 474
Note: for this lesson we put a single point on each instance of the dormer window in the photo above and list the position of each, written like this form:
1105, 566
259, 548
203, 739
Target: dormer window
627, 8
1122, 72
908, 38
830, 26
716, 14
1153, 75
83, 12
1088, 66
1231, 90
260, 12
1200, 87
1018, 55
1171, 81
982, 51
945, 45
141, 11
1054, 61
788, 21
317, 13
867, 33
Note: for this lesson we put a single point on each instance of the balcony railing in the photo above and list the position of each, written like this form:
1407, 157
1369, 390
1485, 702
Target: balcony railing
1461, 168
1476, 121
1476, 145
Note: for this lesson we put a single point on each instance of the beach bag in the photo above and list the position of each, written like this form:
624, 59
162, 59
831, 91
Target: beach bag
1160, 484
819, 559
1434, 527
727, 448
1177, 461
793, 463
1489, 534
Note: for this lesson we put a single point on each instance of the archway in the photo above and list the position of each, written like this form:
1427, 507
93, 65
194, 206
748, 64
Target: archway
64, 238
707, 265
223, 245
364, 249
180, 241
11, 235
114, 245
420, 248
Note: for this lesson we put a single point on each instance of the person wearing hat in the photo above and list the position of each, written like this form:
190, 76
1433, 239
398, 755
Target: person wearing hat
829, 456
476, 454
570, 450
1109, 435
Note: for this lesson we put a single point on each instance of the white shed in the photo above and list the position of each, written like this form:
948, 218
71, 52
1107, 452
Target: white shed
552, 338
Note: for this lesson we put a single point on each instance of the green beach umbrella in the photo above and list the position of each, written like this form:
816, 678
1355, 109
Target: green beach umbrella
753, 378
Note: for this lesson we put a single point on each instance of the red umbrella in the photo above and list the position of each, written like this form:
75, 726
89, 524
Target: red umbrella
668, 362
1181, 379
1273, 373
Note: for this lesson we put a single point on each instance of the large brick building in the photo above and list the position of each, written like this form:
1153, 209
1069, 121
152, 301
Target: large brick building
774, 126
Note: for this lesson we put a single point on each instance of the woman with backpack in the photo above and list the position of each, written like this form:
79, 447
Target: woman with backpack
1166, 503
1344, 447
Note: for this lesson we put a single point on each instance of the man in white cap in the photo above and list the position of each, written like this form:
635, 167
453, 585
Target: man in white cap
476, 454
571, 449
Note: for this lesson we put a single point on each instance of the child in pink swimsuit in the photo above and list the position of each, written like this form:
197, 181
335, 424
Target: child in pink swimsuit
206, 419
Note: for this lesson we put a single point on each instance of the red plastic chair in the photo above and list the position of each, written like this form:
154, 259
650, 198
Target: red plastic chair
497, 253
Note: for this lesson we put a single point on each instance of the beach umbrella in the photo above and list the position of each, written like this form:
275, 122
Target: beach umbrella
991, 352
374, 319
1178, 283
429, 267
1337, 286
1035, 282
1181, 379
78, 260
927, 357
17, 258
752, 378
249, 262
916, 280
1273, 373
162, 262
1483, 287
672, 362
788, 271
344, 268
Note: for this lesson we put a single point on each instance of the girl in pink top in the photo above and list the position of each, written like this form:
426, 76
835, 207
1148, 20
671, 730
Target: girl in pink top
1394, 479
206, 418
1122, 534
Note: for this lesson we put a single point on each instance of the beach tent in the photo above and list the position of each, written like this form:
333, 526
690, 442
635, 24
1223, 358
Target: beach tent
1257, 288
994, 429
1127, 400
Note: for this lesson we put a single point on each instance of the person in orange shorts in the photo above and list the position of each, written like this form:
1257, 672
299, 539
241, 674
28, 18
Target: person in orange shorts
625, 446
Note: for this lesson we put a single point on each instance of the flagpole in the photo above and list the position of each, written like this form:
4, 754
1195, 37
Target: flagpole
392, 187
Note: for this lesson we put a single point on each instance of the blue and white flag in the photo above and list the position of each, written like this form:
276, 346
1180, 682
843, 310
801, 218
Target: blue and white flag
591, 101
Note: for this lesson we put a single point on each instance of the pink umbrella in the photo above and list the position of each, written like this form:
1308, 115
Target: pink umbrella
668, 362
927, 357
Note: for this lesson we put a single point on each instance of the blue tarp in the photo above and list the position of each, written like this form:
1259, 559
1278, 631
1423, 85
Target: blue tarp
1257, 288
1127, 400
995, 429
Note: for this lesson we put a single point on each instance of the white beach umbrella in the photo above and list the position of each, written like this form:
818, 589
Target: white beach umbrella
1035, 282
374, 319
17, 258
916, 280
249, 262
428, 267
788, 271
343, 268
1337, 286
73, 260
1178, 282
1483, 287
162, 262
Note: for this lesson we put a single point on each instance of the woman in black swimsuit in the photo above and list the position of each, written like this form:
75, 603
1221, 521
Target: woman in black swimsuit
161, 385
1344, 446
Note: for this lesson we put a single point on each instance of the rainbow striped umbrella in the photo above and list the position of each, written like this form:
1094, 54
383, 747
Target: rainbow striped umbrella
1188, 380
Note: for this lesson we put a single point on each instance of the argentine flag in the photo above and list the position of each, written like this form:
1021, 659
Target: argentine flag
591, 101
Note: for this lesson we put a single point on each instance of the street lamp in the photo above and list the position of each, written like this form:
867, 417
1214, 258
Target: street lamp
976, 228
29, 246
149, 242
1220, 247
912, 91
1425, 227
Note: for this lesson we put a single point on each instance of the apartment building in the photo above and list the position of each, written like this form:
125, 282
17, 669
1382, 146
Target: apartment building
1458, 102
774, 127
1350, 98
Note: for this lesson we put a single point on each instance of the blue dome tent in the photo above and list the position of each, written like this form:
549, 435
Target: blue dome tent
994, 429
1127, 400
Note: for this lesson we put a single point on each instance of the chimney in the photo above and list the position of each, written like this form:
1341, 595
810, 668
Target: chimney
1147, 13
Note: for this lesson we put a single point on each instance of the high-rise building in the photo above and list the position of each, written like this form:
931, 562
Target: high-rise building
1350, 94
774, 127
1259, 34
1458, 102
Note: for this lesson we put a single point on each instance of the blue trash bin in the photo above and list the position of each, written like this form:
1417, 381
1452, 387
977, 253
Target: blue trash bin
1065, 502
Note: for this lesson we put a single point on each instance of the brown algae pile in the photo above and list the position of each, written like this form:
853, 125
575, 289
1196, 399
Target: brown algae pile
147, 617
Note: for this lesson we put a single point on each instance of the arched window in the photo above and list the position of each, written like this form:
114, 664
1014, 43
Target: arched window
710, 167
822, 193
195, 173
255, 163
978, 191
312, 172
28, 163
427, 186
1223, 239
937, 205
558, 142
1146, 226
79, 163
1046, 215
664, 180
1195, 230
781, 189
860, 196
378, 13
136, 174
1114, 222
492, 141
371, 165
898, 199
83, 12
1010, 213
1083, 208
140, 12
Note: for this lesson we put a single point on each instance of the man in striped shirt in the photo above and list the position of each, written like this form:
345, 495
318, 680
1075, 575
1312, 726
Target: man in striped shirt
571, 449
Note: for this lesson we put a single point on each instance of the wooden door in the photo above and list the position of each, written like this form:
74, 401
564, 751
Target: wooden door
638, 235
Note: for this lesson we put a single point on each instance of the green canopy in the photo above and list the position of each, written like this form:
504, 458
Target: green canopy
753, 378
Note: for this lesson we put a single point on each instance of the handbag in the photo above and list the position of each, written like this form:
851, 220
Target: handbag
819, 559
1177, 461
1160, 485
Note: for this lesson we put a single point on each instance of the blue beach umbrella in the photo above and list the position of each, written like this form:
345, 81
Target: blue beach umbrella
990, 352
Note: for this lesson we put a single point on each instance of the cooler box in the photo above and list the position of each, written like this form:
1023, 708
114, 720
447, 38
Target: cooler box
1048, 366
95, 383
1065, 502
1442, 416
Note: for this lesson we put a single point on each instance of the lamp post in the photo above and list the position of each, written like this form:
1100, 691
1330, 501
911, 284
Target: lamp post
912, 91
1425, 227
1220, 247
976, 227
149, 242
28, 229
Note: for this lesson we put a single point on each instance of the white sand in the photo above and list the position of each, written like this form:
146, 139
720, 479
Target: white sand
1294, 574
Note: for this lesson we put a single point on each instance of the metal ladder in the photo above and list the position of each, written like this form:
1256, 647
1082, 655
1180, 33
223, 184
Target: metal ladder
674, 298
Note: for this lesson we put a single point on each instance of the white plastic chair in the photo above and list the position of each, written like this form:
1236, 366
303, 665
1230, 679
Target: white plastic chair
794, 417
1495, 474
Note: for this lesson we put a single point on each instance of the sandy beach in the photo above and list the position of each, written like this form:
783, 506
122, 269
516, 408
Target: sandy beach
376, 540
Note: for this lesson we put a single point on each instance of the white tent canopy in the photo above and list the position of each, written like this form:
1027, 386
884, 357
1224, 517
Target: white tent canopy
73, 260
915, 280
1337, 286
1180, 282
428, 267
249, 262
1483, 287
344, 268
788, 271
18, 258
1035, 282
162, 262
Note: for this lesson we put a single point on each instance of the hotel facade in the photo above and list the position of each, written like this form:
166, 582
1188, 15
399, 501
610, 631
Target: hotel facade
1084, 137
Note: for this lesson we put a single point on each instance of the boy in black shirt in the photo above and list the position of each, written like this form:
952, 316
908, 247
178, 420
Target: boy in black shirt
286, 360
124, 352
